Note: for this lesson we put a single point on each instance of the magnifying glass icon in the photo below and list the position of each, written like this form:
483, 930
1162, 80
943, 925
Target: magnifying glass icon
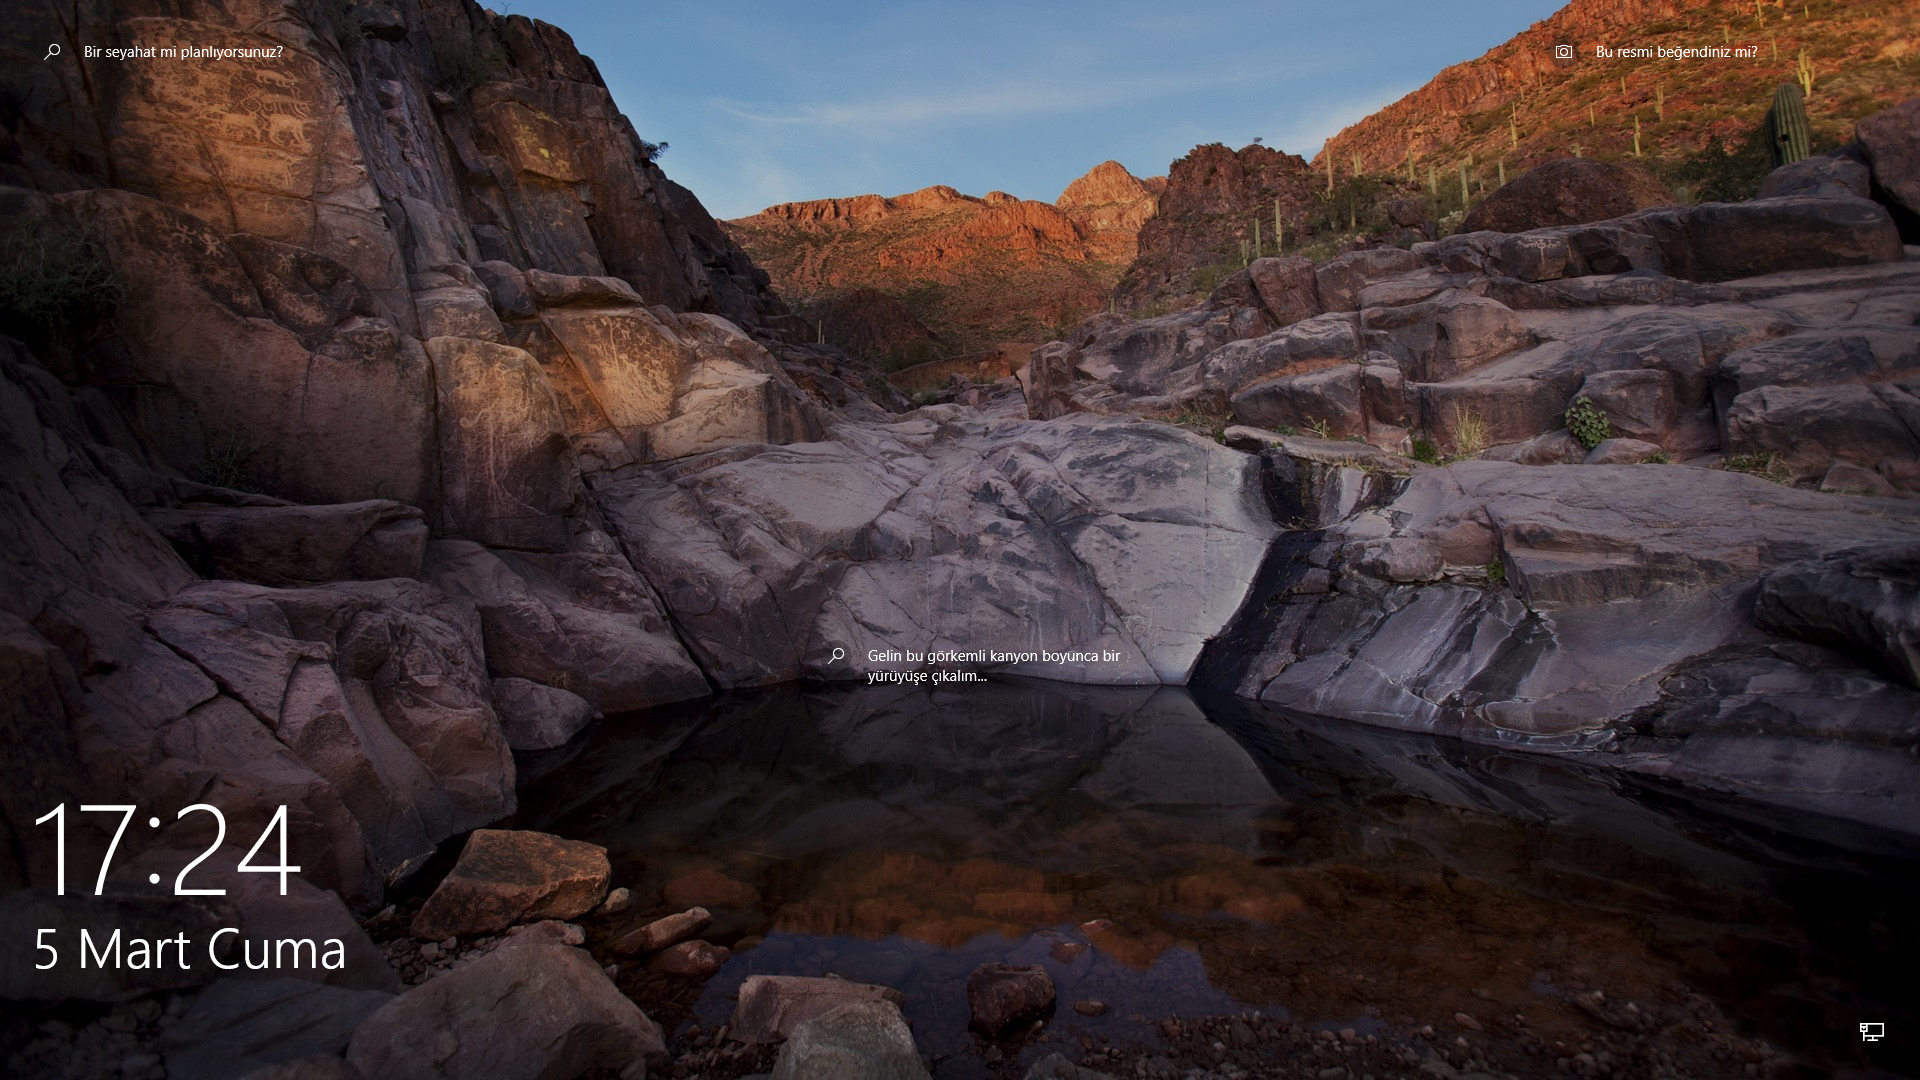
838, 654
52, 51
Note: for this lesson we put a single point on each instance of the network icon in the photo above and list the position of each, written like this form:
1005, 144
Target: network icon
1872, 1032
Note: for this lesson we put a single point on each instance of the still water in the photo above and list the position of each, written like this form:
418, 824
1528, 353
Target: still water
1244, 859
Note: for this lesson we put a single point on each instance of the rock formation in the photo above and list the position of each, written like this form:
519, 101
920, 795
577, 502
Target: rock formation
1521, 104
1213, 198
975, 272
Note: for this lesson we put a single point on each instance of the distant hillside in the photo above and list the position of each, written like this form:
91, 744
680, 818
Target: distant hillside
1518, 105
973, 271
1213, 200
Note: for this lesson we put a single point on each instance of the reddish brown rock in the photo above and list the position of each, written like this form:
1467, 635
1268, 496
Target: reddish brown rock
704, 888
1567, 191
999, 268
505, 877
661, 933
1000, 996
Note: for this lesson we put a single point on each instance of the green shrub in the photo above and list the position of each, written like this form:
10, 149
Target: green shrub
1587, 423
347, 31
1425, 449
54, 281
463, 64
225, 465
1722, 173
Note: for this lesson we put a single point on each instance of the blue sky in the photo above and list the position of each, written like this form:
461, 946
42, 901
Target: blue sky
774, 102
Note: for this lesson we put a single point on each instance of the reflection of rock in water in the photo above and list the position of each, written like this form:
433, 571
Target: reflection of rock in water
794, 775
1332, 870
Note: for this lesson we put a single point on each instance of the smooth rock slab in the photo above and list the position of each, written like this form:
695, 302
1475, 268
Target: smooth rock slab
770, 1007
1000, 996
538, 717
529, 1011
864, 1040
505, 877
239, 1025
1865, 605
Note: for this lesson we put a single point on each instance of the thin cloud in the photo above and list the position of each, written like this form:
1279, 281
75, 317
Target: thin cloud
987, 103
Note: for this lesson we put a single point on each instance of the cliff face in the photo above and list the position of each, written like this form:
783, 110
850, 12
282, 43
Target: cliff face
1521, 104
1212, 199
306, 516
974, 271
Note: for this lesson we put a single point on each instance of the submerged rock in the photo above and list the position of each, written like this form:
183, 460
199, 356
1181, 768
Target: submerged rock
999, 996
863, 1040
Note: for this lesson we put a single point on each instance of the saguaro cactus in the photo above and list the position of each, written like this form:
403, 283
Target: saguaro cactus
1787, 127
1803, 70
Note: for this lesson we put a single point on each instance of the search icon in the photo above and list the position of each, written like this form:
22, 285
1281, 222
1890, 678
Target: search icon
838, 654
52, 51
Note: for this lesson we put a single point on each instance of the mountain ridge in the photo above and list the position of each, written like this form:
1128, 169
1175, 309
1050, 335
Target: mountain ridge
972, 270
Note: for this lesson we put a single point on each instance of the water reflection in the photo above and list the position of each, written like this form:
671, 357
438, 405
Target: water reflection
1225, 858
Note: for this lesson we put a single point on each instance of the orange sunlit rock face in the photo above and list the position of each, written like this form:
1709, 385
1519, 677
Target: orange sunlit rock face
968, 272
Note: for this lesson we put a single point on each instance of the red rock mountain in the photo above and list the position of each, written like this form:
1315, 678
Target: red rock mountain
1212, 199
973, 271
1518, 105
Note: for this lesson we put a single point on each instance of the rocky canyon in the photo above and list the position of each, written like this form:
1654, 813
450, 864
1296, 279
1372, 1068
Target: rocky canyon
1298, 652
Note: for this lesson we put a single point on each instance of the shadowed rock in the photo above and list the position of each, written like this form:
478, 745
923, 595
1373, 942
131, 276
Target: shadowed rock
534, 1010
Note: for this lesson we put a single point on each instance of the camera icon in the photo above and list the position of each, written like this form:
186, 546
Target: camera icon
1563, 52
1872, 1032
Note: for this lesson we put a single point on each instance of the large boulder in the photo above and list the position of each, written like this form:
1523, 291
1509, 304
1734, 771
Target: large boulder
1613, 576
1827, 176
1808, 427
1311, 344
506, 877
522, 1012
863, 1040
238, 1026
1866, 605
1286, 288
1150, 356
1328, 398
1890, 141
1767, 236
1000, 996
933, 534
1339, 280
1566, 191
771, 1007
